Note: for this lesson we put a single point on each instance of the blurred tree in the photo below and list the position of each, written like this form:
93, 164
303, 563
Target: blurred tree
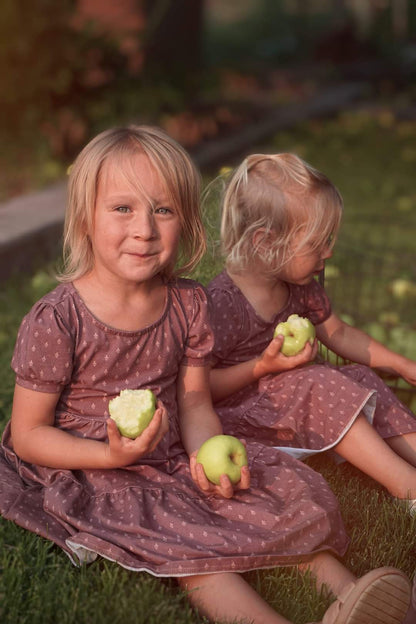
49, 71
72, 67
400, 18
173, 39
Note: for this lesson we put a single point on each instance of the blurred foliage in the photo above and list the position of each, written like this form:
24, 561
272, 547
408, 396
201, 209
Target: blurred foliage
62, 83
274, 31
47, 65
264, 32
48, 93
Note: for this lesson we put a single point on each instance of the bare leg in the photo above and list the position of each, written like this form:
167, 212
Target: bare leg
405, 446
228, 597
384, 593
365, 449
328, 571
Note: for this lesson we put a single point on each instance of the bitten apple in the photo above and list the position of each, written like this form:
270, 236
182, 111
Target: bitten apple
222, 454
132, 411
297, 331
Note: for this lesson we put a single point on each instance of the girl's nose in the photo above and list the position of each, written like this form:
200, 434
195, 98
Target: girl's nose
144, 224
327, 253
327, 250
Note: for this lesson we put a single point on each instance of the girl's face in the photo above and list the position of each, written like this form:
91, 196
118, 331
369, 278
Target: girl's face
136, 231
305, 264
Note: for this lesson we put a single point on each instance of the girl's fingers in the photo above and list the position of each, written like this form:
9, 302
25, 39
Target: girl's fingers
199, 476
245, 478
153, 427
146, 442
275, 345
112, 432
225, 488
155, 430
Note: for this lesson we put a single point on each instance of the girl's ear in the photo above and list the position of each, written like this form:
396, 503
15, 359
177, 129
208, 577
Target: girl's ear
261, 237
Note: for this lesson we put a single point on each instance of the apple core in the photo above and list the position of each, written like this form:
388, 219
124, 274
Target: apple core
132, 411
297, 331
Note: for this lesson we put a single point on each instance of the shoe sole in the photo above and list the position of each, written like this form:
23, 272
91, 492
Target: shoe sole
380, 597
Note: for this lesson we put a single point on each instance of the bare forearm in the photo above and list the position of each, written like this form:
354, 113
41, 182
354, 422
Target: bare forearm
208, 425
353, 344
48, 446
225, 381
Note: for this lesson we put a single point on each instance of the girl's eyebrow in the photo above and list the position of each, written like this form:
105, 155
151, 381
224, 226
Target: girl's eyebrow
132, 196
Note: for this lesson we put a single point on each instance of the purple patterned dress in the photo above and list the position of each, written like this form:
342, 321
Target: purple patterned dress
151, 516
305, 410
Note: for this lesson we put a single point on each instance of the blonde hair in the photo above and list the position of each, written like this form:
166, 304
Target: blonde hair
280, 196
176, 169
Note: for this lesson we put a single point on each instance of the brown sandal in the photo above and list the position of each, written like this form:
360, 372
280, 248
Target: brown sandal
379, 597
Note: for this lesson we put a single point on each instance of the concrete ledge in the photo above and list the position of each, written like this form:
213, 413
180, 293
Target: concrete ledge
31, 229
31, 225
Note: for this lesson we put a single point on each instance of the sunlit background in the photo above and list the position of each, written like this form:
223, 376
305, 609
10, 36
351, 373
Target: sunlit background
199, 68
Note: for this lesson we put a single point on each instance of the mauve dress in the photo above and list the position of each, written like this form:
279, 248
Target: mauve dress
305, 410
151, 516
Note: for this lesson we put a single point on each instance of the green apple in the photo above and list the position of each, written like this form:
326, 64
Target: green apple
222, 454
132, 411
297, 331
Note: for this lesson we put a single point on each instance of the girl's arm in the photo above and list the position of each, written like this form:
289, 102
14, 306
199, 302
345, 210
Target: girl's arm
36, 440
355, 345
225, 381
198, 422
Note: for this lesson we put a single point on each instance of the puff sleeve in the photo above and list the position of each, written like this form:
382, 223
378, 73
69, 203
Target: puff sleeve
43, 353
199, 340
227, 320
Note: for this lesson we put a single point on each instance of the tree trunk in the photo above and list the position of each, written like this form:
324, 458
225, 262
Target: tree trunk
174, 35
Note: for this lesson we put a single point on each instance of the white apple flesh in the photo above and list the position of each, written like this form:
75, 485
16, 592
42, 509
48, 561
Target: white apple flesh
132, 411
296, 331
222, 454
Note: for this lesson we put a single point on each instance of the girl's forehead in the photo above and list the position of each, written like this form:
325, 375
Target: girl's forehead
133, 174
130, 164
133, 170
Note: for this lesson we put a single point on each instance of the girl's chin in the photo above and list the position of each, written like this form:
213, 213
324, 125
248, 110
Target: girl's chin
305, 280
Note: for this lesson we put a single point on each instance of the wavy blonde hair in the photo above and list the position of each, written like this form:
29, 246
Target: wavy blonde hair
281, 196
174, 165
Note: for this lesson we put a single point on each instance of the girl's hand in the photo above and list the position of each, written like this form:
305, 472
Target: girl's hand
225, 488
272, 359
408, 372
123, 451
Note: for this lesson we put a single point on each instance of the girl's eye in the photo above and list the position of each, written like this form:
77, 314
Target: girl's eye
122, 209
330, 241
164, 210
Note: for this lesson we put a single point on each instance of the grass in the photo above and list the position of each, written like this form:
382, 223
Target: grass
38, 584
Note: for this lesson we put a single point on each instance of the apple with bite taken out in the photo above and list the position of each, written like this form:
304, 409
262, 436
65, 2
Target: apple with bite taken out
132, 411
222, 454
296, 331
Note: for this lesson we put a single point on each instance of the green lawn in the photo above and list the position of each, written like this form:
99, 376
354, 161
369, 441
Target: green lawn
372, 161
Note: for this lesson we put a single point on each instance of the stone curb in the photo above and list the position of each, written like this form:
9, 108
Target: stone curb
31, 225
